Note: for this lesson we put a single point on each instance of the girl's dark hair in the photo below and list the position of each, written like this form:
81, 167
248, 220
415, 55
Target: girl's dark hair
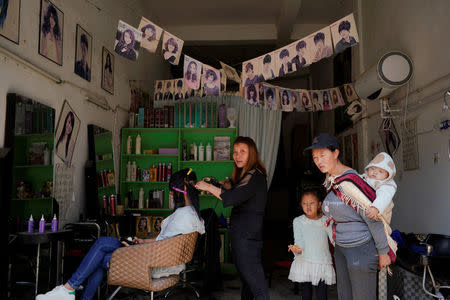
344, 25
185, 178
301, 44
269, 92
172, 42
267, 59
51, 10
313, 191
63, 132
284, 52
248, 67
320, 36
122, 39
108, 63
210, 72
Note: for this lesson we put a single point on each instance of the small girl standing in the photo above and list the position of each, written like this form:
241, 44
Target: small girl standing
312, 264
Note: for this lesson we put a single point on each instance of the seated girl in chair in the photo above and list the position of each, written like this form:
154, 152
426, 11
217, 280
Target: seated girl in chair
185, 219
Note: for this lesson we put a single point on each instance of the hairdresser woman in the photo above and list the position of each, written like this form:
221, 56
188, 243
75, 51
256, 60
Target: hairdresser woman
361, 244
248, 196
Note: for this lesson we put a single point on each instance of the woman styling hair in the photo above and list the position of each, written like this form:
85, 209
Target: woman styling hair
247, 193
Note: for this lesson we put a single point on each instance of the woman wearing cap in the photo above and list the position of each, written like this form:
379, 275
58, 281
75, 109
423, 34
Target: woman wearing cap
185, 219
361, 243
248, 196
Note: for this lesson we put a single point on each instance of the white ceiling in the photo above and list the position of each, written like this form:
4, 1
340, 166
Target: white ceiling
242, 20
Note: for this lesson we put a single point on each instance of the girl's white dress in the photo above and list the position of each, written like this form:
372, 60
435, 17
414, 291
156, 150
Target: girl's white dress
314, 263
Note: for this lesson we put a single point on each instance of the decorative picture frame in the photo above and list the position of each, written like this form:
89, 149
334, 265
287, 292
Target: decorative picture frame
51, 29
66, 134
83, 53
108, 71
10, 20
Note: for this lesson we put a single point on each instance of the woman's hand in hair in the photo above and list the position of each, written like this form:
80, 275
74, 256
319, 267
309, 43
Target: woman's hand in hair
202, 185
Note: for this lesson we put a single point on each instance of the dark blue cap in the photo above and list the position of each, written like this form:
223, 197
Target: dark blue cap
323, 140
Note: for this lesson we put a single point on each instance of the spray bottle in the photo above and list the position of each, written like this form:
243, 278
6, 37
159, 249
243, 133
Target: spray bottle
42, 225
54, 224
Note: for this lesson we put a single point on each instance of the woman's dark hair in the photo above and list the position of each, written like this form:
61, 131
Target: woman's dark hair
108, 63
300, 45
344, 25
267, 59
284, 53
63, 132
320, 36
3, 11
180, 83
251, 88
185, 178
210, 72
254, 160
51, 11
172, 42
248, 66
150, 37
160, 85
191, 76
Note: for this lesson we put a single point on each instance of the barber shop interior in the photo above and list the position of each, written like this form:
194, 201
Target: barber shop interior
181, 149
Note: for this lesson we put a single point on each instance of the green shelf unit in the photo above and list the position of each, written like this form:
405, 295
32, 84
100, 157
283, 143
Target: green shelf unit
154, 138
33, 174
104, 160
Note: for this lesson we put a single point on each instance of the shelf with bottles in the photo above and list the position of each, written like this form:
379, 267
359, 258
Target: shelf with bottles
146, 182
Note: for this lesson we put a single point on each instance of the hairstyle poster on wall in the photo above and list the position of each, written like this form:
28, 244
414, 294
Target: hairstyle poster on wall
301, 54
51, 32
270, 97
107, 71
322, 46
284, 61
305, 99
158, 95
171, 48
83, 54
251, 94
295, 100
10, 19
179, 89
128, 40
316, 99
350, 93
344, 33
151, 34
326, 100
268, 70
336, 98
66, 133
211, 79
192, 71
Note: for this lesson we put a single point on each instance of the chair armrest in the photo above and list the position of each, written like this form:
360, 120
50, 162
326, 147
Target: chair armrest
130, 266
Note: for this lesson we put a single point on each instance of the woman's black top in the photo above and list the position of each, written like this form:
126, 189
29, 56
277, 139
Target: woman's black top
248, 198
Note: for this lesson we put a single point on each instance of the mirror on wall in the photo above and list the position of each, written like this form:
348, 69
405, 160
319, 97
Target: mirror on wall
99, 170
29, 132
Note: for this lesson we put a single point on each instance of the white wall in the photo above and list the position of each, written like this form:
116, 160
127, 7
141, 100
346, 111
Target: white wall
102, 25
420, 29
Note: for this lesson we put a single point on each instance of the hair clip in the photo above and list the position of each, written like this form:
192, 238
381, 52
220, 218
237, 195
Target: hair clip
179, 190
189, 172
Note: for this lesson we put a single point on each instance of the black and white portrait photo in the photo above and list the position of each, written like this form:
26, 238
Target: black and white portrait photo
192, 72
66, 133
171, 48
51, 32
344, 33
83, 54
322, 45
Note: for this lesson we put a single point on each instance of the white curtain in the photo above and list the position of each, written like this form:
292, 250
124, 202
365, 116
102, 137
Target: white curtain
262, 125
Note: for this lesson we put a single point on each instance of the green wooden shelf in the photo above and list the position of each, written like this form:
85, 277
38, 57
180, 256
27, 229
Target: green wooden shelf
103, 135
146, 182
151, 155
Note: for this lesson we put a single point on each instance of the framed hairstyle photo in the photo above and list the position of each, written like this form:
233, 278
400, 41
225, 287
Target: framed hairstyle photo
107, 71
10, 20
66, 133
51, 32
83, 54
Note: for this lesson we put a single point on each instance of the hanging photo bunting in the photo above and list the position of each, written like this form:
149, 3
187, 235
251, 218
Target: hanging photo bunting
171, 48
296, 103
168, 90
268, 66
211, 79
350, 93
336, 98
128, 40
151, 34
344, 33
316, 99
284, 64
251, 94
326, 100
355, 110
179, 89
158, 96
301, 54
270, 101
305, 99
192, 72
322, 45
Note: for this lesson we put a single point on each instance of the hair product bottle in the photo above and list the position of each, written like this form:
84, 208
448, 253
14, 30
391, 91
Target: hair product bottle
31, 224
129, 144
54, 224
138, 144
42, 224
208, 152
201, 152
133, 171
141, 198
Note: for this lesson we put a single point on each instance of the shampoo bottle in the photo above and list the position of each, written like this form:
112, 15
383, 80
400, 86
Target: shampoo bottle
141, 198
42, 224
129, 144
138, 144
208, 152
201, 152
54, 224
133, 171
31, 224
